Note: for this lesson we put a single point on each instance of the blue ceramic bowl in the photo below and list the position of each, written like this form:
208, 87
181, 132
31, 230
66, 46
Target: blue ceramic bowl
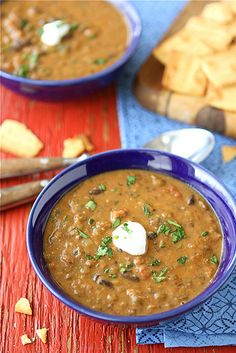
57, 90
194, 175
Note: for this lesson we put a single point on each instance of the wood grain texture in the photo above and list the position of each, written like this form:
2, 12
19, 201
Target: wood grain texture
68, 331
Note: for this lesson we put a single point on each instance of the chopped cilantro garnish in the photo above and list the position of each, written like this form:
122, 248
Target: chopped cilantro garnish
214, 260
23, 23
177, 233
100, 61
174, 223
74, 26
155, 263
112, 275
204, 234
89, 257
116, 236
33, 58
91, 205
102, 187
103, 249
40, 31
126, 228
106, 270
159, 277
146, 210
131, 179
116, 223
126, 267
82, 234
23, 70
91, 221
182, 260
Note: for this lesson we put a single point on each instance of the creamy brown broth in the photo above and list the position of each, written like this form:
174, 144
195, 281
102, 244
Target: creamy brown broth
180, 260
97, 39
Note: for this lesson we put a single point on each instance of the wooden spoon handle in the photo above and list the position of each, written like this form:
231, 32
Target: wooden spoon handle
24, 166
17, 195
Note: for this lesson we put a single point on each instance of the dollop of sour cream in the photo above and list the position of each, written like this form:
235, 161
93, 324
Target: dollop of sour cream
53, 32
130, 237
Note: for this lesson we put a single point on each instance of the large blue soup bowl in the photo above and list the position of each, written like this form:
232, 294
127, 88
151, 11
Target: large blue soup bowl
57, 90
194, 175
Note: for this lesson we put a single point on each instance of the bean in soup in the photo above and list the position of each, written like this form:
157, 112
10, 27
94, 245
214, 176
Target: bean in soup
140, 242
56, 40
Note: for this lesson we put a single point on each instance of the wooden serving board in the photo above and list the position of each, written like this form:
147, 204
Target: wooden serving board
188, 109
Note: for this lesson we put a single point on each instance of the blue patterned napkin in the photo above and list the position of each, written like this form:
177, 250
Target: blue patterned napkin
214, 323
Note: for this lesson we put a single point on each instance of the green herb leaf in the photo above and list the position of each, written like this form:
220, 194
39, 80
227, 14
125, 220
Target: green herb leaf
89, 257
182, 260
164, 229
82, 234
102, 187
146, 210
126, 228
100, 61
131, 179
74, 26
40, 31
112, 275
106, 270
116, 223
204, 234
214, 260
103, 249
91, 205
159, 277
155, 263
177, 235
23, 70
174, 223
126, 267
33, 58
23, 23
91, 221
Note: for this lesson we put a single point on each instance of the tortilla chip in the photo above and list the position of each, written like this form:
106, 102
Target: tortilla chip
220, 68
42, 334
23, 306
222, 98
25, 340
219, 12
228, 153
87, 144
183, 41
213, 33
17, 139
184, 75
73, 147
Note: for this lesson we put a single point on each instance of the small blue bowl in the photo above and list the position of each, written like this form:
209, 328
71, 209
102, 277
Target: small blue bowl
57, 90
192, 174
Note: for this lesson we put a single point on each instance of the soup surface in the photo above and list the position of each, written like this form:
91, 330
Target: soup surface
183, 247
96, 37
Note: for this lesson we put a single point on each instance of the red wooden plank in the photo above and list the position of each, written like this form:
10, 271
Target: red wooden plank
68, 332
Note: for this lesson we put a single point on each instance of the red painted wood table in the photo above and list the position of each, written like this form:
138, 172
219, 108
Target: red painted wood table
68, 331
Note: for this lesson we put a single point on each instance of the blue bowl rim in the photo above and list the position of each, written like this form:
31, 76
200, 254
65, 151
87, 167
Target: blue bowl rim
144, 319
129, 13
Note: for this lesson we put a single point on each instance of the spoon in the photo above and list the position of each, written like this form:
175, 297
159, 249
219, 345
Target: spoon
194, 144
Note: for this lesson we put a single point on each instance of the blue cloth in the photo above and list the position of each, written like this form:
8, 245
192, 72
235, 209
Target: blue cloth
214, 323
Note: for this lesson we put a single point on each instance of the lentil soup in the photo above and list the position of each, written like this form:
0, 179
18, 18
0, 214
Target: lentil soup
56, 40
132, 242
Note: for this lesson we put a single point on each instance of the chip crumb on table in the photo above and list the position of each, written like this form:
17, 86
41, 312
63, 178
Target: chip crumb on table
17, 139
23, 306
228, 153
75, 146
25, 340
42, 334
